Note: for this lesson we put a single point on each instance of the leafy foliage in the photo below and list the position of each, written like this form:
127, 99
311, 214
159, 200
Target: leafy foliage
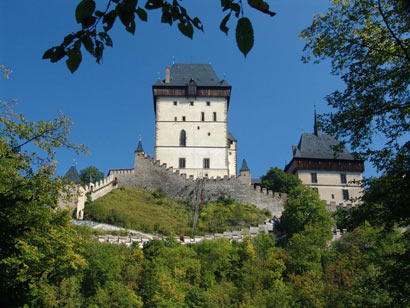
96, 25
278, 180
93, 172
369, 47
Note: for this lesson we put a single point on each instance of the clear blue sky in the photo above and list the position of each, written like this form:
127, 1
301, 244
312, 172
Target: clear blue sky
273, 92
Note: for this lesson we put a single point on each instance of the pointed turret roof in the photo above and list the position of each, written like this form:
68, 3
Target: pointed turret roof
90, 178
139, 147
244, 166
316, 124
72, 176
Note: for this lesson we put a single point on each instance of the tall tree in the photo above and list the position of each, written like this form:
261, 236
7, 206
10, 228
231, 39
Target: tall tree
368, 44
91, 173
278, 180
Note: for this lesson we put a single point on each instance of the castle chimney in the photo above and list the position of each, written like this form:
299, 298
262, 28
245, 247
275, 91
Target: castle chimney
167, 74
294, 149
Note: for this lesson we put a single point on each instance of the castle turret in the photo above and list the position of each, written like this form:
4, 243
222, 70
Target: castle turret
138, 152
245, 173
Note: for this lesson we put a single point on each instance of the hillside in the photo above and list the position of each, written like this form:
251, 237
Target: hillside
153, 212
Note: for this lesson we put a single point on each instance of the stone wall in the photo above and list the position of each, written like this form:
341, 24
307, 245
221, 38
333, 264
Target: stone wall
149, 174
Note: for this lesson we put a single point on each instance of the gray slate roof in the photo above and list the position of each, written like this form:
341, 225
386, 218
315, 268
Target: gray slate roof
244, 166
139, 147
72, 176
203, 75
320, 146
231, 137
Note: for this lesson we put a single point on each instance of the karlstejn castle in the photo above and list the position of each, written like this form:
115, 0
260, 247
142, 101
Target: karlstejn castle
196, 154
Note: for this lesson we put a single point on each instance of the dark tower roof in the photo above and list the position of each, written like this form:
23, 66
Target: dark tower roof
244, 166
202, 74
139, 147
231, 137
72, 176
90, 178
316, 124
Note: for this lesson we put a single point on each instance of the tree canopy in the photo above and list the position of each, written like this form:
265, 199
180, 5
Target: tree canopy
368, 45
91, 173
278, 180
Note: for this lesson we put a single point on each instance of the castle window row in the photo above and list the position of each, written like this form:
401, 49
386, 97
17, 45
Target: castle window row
192, 103
313, 178
202, 117
182, 163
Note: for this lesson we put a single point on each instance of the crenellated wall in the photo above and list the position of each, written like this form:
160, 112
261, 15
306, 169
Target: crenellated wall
150, 174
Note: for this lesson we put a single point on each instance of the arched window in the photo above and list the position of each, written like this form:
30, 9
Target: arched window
182, 138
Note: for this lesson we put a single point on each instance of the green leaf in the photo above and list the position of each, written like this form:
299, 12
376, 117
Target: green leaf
88, 22
68, 39
84, 9
153, 4
186, 29
88, 43
166, 18
59, 53
142, 14
109, 20
244, 35
223, 26
49, 53
74, 59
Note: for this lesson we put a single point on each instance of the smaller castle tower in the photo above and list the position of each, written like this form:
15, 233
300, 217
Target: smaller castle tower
138, 152
245, 174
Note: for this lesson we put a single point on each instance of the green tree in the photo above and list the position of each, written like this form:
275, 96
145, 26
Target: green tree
92, 172
97, 23
39, 250
305, 209
369, 47
278, 180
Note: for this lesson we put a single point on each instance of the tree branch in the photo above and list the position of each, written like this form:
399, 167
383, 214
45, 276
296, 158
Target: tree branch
399, 42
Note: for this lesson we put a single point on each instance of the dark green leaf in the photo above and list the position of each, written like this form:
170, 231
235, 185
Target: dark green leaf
99, 13
68, 39
74, 59
166, 18
88, 22
131, 27
49, 53
262, 6
198, 24
244, 35
59, 53
84, 9
88, 44
186, 29
236, 8
153, 4
109, 20
223, 26
142, 14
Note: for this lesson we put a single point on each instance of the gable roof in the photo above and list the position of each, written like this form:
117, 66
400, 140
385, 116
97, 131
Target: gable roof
203, 75
320, 146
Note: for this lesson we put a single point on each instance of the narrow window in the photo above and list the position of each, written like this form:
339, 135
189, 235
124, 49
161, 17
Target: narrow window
175, 103
313, 177
191, 103
343, 178
333, 196
175, 119
202, 116
214, 116
345, 194
209, 134
208, 103
182, 163
182, 138
198, 127
206, 163
183, 118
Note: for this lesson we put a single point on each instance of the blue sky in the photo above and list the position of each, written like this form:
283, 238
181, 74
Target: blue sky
273, 92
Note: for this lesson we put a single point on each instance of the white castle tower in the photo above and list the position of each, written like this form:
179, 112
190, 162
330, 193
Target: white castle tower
191, 131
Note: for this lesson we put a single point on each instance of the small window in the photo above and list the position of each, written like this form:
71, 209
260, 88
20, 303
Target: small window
343, 178
175, 119
230, 153
198, 127
175, 103
333, 196
202, 116
214, 116
313, 177
182, 163
182, 138
208, 103
183, 118
209, 134
345, 194
206, 163
191, 103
